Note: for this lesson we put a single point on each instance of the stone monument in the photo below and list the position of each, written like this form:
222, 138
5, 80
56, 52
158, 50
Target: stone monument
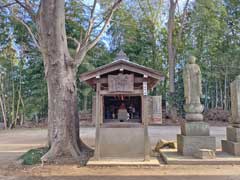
194, 132
232, 144
157, 109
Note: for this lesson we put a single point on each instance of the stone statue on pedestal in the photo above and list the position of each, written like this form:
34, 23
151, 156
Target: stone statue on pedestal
195, 134
192, 90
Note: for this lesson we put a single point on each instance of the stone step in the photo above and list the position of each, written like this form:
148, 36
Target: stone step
205, 154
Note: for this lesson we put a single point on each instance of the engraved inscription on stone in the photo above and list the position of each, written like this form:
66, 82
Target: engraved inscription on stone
121, 82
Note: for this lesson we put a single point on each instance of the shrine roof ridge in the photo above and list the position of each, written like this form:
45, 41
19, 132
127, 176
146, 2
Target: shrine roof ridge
121, 63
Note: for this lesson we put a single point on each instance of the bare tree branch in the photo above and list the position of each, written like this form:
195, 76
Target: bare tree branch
27, 7
90, 25
108, 18
84, 5
74, 39
183, 19
85, 45
179, 34
29, 31
7, 5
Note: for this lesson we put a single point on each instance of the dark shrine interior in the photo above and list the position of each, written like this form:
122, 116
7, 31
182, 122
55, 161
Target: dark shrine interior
122, 108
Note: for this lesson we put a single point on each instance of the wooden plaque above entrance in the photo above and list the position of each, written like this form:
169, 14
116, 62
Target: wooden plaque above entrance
121, 83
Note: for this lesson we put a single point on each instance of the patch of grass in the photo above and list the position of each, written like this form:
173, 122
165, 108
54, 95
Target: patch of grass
33, 156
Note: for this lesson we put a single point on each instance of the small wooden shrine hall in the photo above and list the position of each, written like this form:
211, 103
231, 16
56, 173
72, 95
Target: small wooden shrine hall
121, 108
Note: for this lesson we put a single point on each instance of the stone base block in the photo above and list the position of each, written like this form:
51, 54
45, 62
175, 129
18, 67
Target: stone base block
231, 147
122, 143
195, 129
193, 108
205, 154
189, 145
193, 117
233, 134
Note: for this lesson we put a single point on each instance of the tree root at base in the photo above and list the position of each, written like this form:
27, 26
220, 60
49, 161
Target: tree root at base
78, 154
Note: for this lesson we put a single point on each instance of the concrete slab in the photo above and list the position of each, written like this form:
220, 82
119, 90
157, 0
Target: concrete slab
154, 161
170, 156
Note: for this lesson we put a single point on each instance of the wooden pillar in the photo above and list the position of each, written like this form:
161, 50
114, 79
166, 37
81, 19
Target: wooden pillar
97, 120
145, 124
101, 109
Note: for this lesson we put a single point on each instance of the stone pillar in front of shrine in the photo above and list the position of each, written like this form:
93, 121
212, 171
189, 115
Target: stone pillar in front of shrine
195, 133
232, 144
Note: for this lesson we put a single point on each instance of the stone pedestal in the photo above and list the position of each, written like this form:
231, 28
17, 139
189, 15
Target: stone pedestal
195, 129
193, 112
232, 144
194, 136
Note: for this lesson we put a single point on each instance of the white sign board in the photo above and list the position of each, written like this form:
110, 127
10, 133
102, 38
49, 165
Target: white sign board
145, 90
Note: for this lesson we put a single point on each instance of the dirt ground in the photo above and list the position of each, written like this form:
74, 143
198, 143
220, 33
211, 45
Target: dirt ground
14, 143
164, 172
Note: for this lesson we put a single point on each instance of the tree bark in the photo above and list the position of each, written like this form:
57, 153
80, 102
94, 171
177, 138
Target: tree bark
60, 72
3, 112
206, 95
225, 90
216, 94
171, 54
171, 59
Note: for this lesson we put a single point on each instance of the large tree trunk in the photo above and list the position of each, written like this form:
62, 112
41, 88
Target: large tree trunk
60, 71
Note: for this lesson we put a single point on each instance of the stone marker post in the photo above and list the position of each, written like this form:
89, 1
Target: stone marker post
232, 144
194, 132
157, 109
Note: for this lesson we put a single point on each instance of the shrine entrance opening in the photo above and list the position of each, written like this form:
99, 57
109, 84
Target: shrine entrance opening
122, 108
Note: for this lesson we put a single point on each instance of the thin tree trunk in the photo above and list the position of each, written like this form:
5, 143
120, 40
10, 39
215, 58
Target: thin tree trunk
3, 106
206, 95
221, 94
19, 101
225, 91
212, 99
3, 112
216, 93
23, 107
17, 110
85, 102
171, 59
22, 119
13, 105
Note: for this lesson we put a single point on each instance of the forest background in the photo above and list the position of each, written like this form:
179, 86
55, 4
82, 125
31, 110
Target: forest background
154, 33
